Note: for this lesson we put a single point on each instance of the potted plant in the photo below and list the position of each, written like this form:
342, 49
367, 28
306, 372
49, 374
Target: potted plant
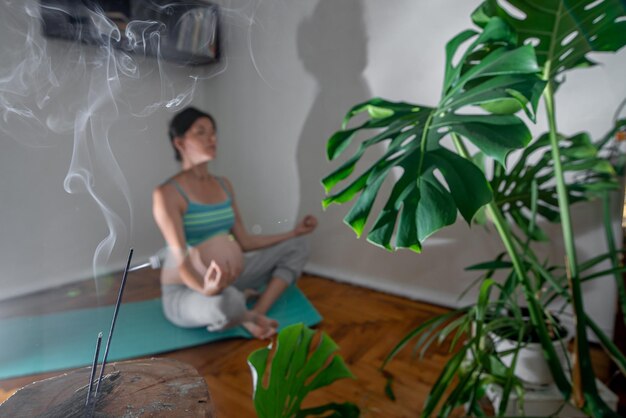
529, 365
504, 68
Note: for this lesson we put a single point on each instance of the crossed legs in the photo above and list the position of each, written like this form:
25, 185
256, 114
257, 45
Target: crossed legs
275, 267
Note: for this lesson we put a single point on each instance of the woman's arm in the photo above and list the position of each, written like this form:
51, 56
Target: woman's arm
167, 208
249, 242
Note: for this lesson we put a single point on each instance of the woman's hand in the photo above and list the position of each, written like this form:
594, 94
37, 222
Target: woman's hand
217, 278
306, 225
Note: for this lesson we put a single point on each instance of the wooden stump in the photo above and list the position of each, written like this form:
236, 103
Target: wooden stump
137, 388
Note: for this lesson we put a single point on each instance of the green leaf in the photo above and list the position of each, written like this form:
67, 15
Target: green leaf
614, 352
513, 187
397, 131
425, 206
451, 48
506, 106
596, 164
460, 394
426, 326
599, 259
521, 95
383, 228
436, 183
501, 61
443, 381
378, 108
342, 172
395, 112
482, 304
461, 323
616, 271
564, 31
408, 236
491, 265
349, 192
501, 77
615, 262
511, 381
376, 112
495, 135
436, 207
297, 368
533, 232
339, 142
357, 217
495, 34
464, 179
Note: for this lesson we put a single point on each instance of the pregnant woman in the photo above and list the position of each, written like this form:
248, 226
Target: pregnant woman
209, 274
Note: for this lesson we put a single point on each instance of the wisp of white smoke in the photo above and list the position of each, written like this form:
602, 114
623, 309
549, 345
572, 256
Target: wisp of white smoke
68, 89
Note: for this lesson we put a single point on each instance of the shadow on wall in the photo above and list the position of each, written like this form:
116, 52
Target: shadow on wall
332, 45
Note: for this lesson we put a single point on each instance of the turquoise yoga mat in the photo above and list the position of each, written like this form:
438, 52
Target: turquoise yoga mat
37, 344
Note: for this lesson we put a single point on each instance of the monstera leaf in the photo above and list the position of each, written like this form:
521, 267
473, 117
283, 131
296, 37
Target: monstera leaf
588, 173
562, 31
435, 182
285, 374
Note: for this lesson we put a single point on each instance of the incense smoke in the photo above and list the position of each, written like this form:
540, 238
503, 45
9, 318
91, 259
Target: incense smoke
37, 109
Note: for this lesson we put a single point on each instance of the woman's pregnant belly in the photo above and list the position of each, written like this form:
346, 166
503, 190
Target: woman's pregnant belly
223, 249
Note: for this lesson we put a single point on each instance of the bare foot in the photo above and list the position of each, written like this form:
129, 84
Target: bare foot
260, 326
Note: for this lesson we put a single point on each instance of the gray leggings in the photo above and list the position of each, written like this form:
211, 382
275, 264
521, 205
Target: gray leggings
187, 308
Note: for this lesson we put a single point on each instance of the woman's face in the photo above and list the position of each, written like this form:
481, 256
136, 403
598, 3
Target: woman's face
199, 144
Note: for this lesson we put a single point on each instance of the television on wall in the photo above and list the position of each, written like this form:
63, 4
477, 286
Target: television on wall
186, 32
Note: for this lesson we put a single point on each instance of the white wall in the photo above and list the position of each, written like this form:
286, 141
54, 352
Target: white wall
49, 236
290, 72
295, 72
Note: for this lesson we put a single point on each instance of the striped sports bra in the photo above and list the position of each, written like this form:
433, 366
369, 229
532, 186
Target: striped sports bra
202, 221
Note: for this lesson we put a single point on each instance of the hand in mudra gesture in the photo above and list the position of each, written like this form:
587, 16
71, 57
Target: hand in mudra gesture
217, 278
306, 225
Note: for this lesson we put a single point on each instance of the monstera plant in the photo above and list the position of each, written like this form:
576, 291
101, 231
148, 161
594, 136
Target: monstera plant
518, 56
300, 361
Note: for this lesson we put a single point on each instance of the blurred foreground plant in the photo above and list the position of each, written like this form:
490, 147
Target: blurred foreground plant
299, 362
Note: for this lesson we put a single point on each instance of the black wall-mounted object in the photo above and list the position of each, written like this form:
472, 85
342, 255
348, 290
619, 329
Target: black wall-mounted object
185, 32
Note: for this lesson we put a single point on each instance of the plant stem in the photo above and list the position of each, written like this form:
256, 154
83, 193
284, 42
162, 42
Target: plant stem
610, 242
561, 188
423, 140
588, 382
500, 224
536, 314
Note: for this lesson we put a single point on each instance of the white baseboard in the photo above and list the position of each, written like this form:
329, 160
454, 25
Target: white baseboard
34, 286
414, 292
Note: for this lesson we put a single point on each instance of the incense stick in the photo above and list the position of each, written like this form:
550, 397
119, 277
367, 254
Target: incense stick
94, 365
154, 263
117, 308
140, 266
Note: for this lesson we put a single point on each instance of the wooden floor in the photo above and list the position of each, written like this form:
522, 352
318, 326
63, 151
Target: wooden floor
366, 324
